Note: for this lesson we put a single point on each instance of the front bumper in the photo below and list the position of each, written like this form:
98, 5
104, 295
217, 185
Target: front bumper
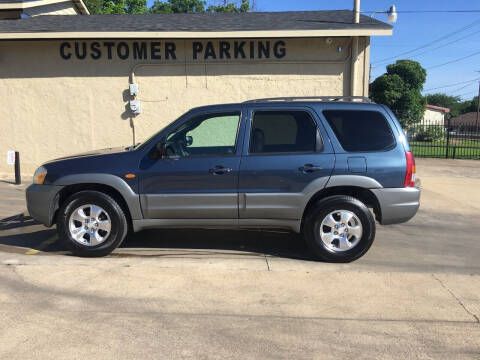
42, 202
397, 205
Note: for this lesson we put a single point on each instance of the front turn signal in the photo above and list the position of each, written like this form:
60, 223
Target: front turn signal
39, 176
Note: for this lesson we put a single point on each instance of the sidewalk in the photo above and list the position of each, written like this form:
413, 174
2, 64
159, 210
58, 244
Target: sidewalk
12, 199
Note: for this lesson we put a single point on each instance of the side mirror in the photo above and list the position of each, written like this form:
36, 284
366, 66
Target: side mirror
158, 151
188, 140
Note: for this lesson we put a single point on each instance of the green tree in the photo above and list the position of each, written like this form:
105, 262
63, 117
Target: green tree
136, 6
454, 103
444, 100
164, 6
116, 6
178, 6
469, 105
94, 6
230, 7
400, 89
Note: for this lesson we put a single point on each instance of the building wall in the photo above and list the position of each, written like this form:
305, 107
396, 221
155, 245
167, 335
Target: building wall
55, 102
433, 117
61, 8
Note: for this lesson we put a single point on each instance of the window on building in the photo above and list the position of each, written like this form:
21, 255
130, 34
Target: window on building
360, 130
282, 132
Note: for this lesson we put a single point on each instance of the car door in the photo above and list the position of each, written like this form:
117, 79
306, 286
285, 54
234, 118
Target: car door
286, 158
198, 176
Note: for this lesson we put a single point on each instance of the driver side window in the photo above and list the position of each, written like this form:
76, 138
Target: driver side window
205, 135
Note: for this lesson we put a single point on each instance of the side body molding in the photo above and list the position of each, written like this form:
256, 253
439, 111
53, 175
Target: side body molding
353, 180
131, 198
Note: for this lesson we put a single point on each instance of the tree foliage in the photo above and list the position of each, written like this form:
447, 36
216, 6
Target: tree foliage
164, 6
230, 7
116, 6
400, 89
454, 103
177, 6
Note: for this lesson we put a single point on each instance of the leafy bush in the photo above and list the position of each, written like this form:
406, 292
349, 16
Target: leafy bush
427, 133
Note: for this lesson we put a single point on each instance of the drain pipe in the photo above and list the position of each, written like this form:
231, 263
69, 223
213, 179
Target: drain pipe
353, 61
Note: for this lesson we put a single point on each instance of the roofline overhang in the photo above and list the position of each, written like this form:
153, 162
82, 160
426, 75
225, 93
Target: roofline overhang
195, 34
79, 4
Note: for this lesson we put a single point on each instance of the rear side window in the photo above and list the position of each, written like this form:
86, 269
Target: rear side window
360, 130
282, 132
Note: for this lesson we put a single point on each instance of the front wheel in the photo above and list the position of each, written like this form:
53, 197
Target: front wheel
91, 223
339, 229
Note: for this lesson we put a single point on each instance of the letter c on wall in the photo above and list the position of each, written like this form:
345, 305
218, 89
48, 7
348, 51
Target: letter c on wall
62, 51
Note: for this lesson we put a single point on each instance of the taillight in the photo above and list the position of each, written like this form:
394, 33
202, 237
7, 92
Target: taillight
410, 174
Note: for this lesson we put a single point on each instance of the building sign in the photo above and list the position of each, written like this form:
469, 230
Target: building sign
168, 50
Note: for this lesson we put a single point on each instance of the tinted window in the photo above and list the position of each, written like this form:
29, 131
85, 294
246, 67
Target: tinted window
282, 131
360, 130
213, 134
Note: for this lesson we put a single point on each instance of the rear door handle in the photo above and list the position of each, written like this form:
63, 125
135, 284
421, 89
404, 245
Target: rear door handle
219, 170
309, 168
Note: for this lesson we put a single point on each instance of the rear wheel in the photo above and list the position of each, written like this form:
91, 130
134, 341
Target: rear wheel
339, 229
91, 223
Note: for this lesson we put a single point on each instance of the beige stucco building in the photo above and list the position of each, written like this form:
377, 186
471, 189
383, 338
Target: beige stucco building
64, 80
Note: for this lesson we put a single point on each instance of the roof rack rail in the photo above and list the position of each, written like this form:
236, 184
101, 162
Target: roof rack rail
318, 98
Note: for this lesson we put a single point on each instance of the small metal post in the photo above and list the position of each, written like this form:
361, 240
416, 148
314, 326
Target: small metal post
18, 179
448, 137
478, 110
454, 151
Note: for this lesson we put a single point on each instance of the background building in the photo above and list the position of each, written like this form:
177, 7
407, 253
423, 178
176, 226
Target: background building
64, 80
435, 115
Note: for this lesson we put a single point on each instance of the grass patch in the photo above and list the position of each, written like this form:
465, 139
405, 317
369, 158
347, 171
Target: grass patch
458, 149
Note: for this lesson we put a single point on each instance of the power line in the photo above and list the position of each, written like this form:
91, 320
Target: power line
448, 43
427, 11
453, 61
464, 94
453, 33
452, 84
463, 87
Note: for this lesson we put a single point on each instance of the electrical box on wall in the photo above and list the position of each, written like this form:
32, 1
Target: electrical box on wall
133, 89
135, 106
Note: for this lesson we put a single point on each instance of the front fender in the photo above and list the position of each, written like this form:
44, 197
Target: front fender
131, 198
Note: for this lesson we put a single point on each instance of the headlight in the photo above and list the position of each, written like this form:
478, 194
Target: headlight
39, 175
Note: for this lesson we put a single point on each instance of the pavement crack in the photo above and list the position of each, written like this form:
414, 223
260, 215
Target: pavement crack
477, 320
266, 260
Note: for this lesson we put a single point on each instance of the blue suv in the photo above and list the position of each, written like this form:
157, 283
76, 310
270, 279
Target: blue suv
326, 167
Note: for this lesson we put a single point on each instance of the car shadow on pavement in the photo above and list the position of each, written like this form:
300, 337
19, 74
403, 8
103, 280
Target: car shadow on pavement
22, 232
227, 242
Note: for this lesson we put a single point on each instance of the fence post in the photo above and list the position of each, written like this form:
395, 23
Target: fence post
448, 138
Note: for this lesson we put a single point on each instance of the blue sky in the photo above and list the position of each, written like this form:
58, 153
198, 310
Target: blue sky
413, 30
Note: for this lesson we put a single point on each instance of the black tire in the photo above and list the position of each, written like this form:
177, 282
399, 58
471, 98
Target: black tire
119, 224
320, 210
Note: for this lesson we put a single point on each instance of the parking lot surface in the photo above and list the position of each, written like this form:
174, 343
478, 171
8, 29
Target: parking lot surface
250, 294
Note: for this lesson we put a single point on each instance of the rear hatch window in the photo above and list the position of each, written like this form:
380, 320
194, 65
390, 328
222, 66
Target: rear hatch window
360, 130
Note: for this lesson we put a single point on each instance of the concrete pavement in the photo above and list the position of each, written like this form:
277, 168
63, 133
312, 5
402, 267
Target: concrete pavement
250, 294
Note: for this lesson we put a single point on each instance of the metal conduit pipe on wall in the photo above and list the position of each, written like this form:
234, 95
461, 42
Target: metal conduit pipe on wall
353, 72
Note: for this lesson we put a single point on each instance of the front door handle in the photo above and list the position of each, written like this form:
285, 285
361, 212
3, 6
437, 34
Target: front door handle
219, 170
309, 168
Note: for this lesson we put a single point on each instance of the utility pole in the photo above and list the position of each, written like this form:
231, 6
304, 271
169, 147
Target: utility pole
478, 108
